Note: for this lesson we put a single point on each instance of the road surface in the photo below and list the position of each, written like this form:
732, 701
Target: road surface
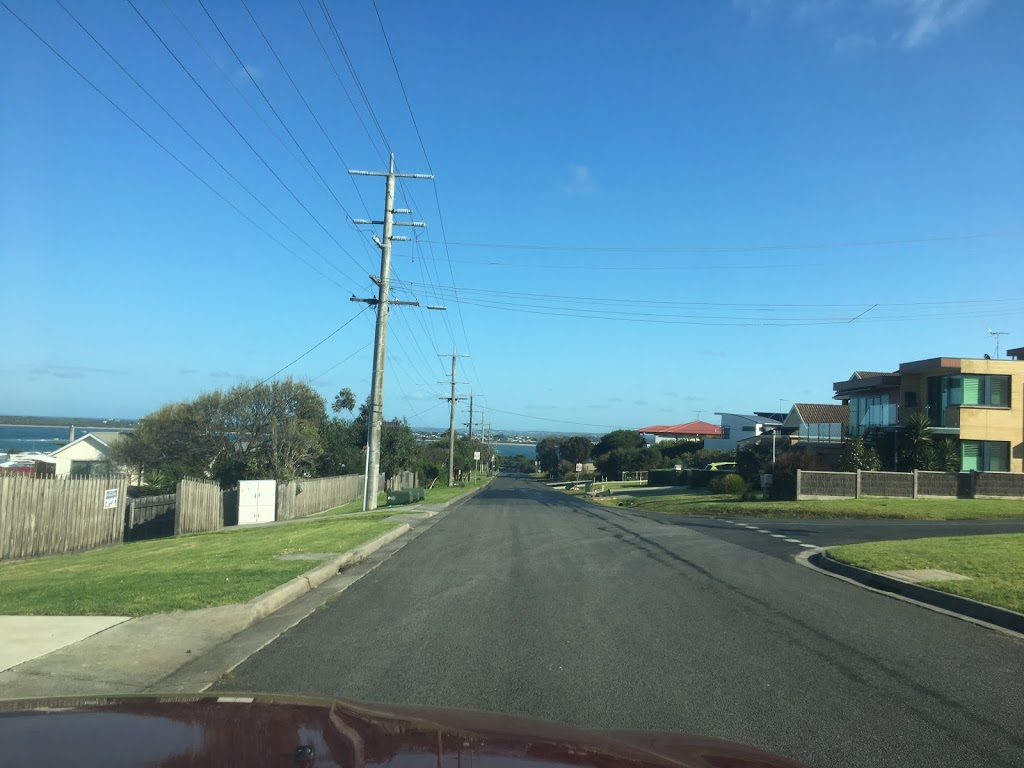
526, 601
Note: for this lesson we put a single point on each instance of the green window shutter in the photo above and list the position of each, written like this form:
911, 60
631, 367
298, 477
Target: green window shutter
999, 391
971, 456
972, 390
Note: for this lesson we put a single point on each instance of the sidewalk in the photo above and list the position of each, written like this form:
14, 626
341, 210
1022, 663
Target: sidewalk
55, 655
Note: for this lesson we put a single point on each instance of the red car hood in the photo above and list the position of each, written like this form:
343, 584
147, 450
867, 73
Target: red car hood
253, 730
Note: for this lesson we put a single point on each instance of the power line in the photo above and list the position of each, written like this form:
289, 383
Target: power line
554, 421
340, 362
230, 122
164, 147
195, 141
437, 198
732, 248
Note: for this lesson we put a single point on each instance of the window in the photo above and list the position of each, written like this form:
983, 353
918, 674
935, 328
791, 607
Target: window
750, 428
726, 431
968, 389
985, 456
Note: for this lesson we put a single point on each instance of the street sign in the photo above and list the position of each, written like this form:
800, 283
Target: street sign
110, 498
579, 467
476, 455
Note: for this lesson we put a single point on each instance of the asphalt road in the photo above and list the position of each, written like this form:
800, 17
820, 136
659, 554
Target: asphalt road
527, 602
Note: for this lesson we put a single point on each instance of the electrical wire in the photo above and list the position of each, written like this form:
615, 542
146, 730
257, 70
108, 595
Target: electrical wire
256, 152
555, 421
184, 130
166, 149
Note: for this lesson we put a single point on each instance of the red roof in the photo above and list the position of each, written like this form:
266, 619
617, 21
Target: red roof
690, 428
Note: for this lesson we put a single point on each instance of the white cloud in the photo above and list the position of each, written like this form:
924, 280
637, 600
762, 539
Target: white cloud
580, 181
930, 18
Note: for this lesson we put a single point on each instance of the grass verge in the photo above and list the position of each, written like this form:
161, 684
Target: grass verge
701, 503
436, 495
995, 564
198, 571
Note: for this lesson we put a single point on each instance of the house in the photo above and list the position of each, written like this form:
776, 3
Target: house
29, 463
816, 422
739, 426
691, 430
979, 402
86, 455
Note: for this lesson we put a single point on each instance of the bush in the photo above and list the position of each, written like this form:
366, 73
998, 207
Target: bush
731, 484
666, 477
698, 478
784, 473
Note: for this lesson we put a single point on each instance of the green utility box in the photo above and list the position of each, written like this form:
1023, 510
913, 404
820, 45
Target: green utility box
408, 496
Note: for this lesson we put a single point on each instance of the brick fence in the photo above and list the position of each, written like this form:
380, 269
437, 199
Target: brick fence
908, 485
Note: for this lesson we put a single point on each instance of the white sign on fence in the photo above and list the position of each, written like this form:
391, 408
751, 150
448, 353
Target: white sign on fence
476, 455
579, 467
110, 498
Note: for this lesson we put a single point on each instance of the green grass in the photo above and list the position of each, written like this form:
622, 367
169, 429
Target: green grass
995, 564
436, 495
701, 503
184, 573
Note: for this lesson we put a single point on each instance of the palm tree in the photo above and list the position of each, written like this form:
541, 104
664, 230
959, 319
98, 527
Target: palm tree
945, 455
915, 439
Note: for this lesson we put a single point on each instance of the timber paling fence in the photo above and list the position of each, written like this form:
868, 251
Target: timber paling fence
302, 498
55, 515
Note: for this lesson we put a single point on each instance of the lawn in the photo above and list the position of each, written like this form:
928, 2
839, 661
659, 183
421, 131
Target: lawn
198, 571
995, 564
436, 495
702, 503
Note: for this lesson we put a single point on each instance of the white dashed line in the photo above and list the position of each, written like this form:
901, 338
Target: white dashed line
778, 535
761, 530
792, 541
807, 546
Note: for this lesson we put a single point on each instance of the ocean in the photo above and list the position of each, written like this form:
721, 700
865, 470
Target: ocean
41, 439
514, 449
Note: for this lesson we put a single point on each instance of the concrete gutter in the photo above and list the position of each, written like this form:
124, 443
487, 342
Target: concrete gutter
964, 608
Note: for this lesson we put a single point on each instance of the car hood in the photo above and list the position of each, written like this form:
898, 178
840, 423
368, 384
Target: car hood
255, 730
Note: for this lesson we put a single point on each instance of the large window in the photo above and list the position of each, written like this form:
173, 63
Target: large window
985, 456
966, 389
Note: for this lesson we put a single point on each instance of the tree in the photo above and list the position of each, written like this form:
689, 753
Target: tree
398, 450
944, 455
547, 453
620, 438
915, 440
345, 400
575, 450
855, 455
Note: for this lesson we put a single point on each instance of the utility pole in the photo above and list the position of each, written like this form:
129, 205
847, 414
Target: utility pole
451, 423
381, 331
470, 425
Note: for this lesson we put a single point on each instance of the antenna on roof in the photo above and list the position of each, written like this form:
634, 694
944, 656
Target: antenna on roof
997, 334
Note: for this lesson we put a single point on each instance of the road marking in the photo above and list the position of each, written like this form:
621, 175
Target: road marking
761, 530
235, 700
808, 546
778, 535
792, 541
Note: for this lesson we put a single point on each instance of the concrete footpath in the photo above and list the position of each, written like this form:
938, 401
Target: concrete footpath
80, 655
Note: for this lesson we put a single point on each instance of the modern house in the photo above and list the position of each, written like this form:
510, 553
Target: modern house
978, 402
691, 430
817, 423
739, 426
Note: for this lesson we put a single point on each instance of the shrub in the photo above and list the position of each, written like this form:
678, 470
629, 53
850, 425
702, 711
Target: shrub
666, 477
731, 484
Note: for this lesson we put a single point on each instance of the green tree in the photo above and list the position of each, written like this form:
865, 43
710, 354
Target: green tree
575, 450
547, 453
620, 438
398, 449
855, 455
915, 441
944, 455
345, 400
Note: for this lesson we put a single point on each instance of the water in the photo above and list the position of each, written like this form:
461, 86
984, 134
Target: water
41, 439
514, 449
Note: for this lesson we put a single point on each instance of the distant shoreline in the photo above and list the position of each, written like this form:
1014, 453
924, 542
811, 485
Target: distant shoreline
66, 421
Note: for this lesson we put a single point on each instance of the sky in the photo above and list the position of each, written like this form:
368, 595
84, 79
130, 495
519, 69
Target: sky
641, 213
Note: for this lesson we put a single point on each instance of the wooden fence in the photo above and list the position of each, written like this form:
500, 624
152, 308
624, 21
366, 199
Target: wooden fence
401, 481
54, 515
301, 498
150, 517
200, 507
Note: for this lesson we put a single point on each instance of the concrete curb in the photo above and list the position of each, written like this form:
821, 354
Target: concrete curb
271, 601
264, 605
964, 608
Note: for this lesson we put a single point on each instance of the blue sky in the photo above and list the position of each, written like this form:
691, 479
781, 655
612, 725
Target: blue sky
728, 184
